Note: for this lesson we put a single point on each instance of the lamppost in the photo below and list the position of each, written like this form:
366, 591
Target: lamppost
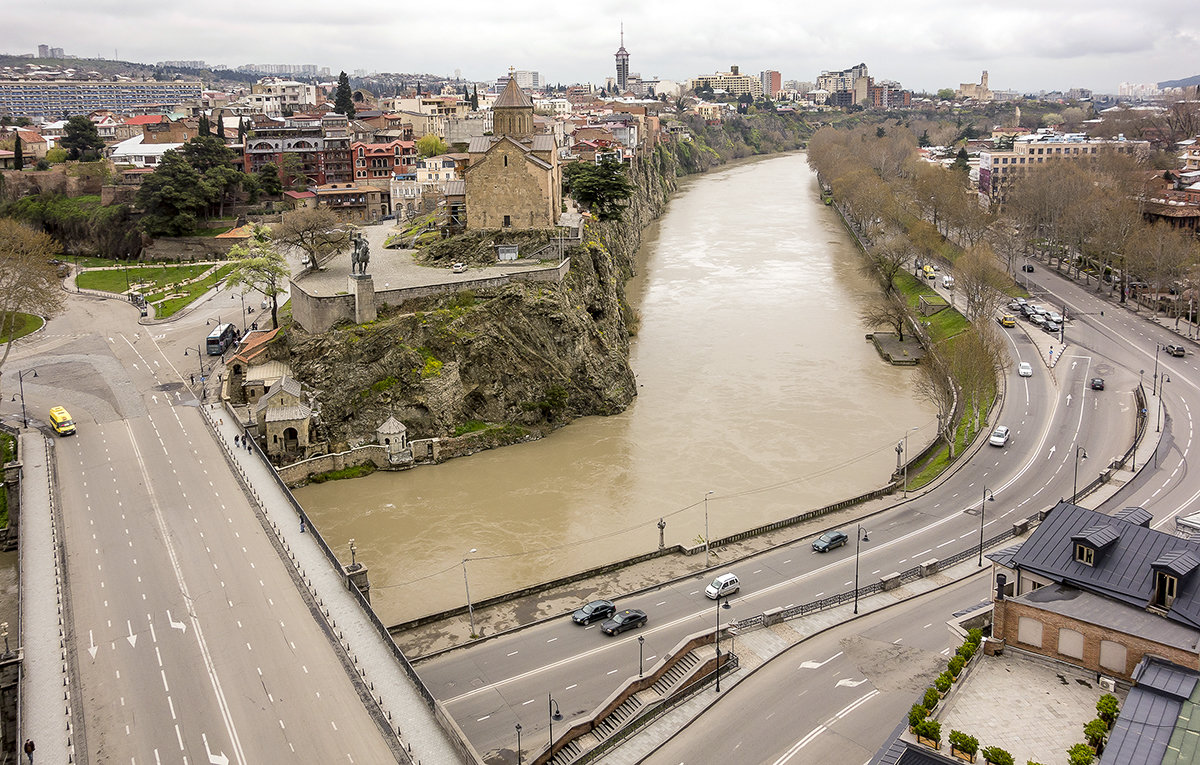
1158, 428
1154, 384
987, 497
1079, 452
21, 383
641, 642
910, 430
1133, 467
706, 528
717, 637
554, 715
353, 556
860, 536
518, 726
467, 585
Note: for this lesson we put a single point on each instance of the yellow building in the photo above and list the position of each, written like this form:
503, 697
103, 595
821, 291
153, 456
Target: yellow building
999, 169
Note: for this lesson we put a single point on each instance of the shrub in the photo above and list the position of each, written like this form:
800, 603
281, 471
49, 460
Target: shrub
943, 682
955, 665
932, 729
1095, 732
1107, 709
1081, 754
931, 698
997, 756
966, 651
962, 742
974, 637
916, 715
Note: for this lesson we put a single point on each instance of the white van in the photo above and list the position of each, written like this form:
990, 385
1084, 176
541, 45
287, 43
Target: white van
948, 282
725, 584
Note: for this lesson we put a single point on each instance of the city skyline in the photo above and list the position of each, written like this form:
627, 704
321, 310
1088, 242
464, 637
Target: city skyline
924, 45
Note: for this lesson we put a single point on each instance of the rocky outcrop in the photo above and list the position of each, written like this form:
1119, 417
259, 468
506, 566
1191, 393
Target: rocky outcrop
523, 359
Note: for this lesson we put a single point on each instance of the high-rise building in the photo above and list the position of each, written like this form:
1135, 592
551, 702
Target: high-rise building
622, 63
43, 51
51, 99
772, 82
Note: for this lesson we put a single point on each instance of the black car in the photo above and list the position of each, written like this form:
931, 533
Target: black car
1097, 383
597, 609
1051, 326
1175, 350
1027, 267
628, 619
829, 540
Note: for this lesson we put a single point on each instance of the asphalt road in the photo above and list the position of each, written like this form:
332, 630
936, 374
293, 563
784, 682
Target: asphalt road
194, 644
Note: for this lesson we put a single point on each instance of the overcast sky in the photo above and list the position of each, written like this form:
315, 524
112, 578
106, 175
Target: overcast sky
1026, 45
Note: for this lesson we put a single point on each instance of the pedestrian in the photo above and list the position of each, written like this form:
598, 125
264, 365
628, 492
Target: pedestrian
192, 379
238, 440
29, 747
248, 447
301, 525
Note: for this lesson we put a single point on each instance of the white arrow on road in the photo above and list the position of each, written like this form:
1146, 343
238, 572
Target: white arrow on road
850, 683
818, 664
132, 637
1051, 454
1073, 363
176, 625
1068, 399
215, 759
155, 397
92, 645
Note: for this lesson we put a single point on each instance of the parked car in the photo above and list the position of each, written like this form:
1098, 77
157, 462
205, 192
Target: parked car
1037, 319
1176, 350
1051, 326
1014, 306
1097, 383
1007, 320
829, 540
1028, 267
594, 611
1025, 369
999, 436
630, 618
948, 282
1027, 310
1055, 317
723, 585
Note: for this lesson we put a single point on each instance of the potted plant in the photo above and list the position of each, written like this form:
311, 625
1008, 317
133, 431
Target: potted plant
967, 650
929, 733
931, 698
916, 715
963, 746
955, 665
1107, 709
1081, 754
1095, 732
994, 755
943, 682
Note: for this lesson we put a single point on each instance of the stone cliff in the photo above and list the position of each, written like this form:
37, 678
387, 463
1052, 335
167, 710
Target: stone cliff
493, 367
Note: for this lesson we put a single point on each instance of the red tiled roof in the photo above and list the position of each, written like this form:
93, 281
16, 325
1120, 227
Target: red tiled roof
299, 194
146, 119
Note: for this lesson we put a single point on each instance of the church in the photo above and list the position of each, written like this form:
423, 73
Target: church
513, 179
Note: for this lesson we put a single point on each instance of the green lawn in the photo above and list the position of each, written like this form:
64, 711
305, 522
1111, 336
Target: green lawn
118, 280
26, 323
168, 308
941, 459
941, 325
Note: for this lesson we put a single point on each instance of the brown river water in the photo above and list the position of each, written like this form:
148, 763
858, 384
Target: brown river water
755, 383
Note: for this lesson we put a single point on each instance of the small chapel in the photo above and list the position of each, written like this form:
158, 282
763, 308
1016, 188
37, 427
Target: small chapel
513, 178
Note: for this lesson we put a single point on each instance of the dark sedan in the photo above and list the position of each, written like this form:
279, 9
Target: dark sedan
594, 611
829, 540
1097, 383
628, 619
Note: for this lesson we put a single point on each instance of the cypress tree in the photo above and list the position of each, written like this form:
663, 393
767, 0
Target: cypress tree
205, 127
18, 152
343, 102
220, 127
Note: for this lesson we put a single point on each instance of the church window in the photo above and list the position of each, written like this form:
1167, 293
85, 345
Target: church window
506, 160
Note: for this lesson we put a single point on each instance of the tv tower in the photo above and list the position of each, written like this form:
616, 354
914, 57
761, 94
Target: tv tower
622, 63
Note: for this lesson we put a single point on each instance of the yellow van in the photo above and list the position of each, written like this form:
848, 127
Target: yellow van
930, 273
61, 421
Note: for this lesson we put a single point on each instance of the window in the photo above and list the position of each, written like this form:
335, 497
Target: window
1070, 643
507, 219
1084, 554
1165, 589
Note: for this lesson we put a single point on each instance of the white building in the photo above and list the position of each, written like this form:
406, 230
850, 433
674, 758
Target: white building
134, 152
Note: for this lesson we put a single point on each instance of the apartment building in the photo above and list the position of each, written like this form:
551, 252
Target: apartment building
732, 82
322, 145
51, 99
772, 82
999, 169
841, 80
380, 161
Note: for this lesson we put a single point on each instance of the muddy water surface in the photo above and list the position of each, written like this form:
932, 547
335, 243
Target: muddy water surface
755, 383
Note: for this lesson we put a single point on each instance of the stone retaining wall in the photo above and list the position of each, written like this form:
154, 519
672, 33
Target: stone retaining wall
188, 249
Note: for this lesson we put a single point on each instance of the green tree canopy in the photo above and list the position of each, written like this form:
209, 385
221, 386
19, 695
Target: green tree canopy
81, 140
431, 146
174, 197
602, 187
343, 102
260, 267
268, 180
945, 94
206, 152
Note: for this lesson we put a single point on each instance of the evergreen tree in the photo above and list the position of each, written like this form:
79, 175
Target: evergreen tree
241, 131
475, 99
18, 152
205, 126
220, 128
343, 102
80, 139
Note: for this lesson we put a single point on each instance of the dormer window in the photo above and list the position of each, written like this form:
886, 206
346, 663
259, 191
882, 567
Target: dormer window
1165, 589
1084, 554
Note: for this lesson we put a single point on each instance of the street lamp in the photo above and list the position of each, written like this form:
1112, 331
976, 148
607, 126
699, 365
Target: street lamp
21, 383
706, 529
860, 536
554, 715
987, 497
467, 585
518, 743
1154, 384
910, 430
641, 642
717, 637
1079, 452
1158, 428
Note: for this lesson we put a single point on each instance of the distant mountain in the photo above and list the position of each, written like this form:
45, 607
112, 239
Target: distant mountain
1187, 82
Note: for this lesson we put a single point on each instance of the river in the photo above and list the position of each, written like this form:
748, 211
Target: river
755, 383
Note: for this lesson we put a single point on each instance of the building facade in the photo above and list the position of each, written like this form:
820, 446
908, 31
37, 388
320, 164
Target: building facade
772, 83
53, 99
732, 82
998, 170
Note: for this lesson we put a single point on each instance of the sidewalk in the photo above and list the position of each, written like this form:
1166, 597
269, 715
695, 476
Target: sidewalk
46, 697
401, 701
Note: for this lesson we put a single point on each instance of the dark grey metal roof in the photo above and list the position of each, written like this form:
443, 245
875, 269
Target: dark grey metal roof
1123, 573
1178, 562
1136, 515
1097, 536
1165, 677
1004, 557
1151, 714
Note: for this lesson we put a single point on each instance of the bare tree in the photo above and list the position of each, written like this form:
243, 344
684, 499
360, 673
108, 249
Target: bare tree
28, 280
317, 232
888, 258
981, 281
934, 383
890, 312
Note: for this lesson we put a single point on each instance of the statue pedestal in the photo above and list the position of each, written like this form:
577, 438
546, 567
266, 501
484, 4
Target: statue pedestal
362, 287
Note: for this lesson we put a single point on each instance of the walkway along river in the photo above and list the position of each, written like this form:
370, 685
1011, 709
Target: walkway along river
755, 383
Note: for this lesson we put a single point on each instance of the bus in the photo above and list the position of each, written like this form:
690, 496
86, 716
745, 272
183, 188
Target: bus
220, 339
